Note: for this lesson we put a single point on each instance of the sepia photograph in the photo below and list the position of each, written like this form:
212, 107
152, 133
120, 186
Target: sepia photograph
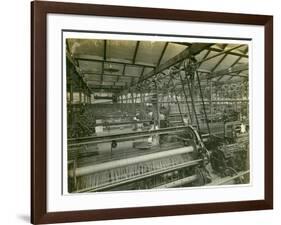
156, 114
147, 112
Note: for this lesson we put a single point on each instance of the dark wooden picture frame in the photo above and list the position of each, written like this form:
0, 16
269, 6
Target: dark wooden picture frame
39, 11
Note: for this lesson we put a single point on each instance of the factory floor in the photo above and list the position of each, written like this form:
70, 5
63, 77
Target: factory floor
104, 152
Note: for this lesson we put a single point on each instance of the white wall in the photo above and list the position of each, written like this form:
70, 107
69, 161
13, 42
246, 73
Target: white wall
15, 110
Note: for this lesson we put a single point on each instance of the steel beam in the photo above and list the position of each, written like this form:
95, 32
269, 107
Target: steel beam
162, 53
216, 50
107, 74
220, 53
230, 70
218, 63
103, 97
86, 58
235, 62
230, 53
192, 50
204, 57
136, 52
123, 73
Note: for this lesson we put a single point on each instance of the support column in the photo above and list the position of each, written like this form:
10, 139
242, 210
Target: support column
186, 99
85, 98
80, 97
203, 102
71, 100
211, 100
177, 101
157, 105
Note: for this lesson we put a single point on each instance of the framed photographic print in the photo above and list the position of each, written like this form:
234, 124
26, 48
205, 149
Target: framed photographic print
142, 112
